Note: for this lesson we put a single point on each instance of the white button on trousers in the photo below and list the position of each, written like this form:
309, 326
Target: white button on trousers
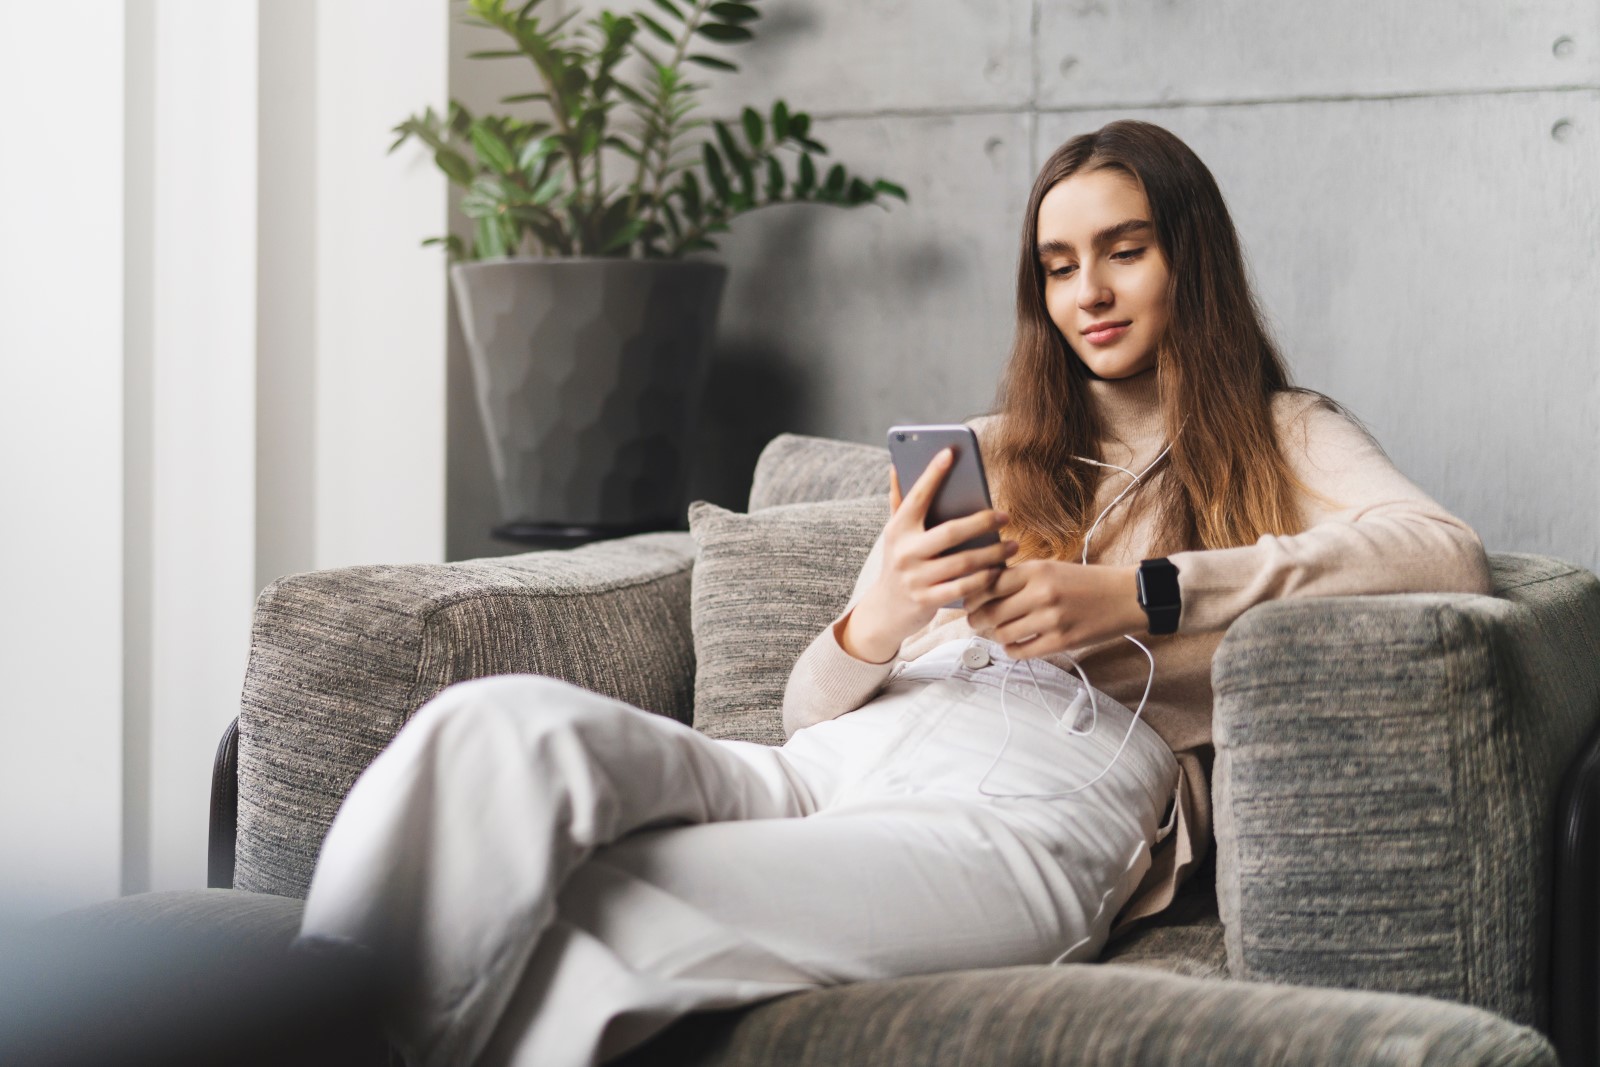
559, 875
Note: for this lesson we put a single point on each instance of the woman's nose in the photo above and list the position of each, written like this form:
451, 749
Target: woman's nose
1092, 292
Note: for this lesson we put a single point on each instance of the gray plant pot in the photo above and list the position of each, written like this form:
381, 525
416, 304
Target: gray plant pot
589, 374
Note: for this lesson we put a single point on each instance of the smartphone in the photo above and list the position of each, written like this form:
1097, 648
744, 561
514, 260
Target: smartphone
965, 488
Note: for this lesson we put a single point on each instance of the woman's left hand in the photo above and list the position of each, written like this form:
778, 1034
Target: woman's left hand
1042, 606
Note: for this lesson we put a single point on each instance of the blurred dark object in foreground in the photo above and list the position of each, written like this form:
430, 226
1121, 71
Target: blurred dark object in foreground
154, 980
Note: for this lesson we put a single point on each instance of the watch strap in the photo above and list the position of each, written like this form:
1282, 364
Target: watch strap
1159, 595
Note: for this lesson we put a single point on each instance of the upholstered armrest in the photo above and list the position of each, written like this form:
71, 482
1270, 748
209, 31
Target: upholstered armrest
340, 659
1386, 776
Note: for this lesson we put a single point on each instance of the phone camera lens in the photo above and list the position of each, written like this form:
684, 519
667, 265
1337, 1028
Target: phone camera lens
899, 437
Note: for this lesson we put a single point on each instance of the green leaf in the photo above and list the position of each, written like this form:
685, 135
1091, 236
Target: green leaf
574, 79
689, 190
808, 177
733, 12
551, 235
614, 216
718, 31
656, 28
484, 197
835, 183
491, 239
533, 154
670, 8
625, 236
454, 165
634, 96
622, 146
754, 128
714, 172
860, 191
521, 98
730, 147
890, 189
491, 149
452, 245
774, 179
551, 186
780, 121
504, 53
813, 146
799, 124
712, 62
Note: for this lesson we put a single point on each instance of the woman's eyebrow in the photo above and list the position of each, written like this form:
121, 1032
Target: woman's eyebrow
1125, 228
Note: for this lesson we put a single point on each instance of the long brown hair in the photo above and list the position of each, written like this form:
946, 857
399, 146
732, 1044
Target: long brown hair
1225, 481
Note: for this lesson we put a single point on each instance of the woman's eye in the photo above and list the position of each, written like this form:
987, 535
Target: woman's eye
1127, 255
1062, 272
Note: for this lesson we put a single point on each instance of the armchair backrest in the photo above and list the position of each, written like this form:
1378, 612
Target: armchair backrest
797, 468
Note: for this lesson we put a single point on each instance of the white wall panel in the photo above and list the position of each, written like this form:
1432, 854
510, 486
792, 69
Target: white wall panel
1430, 262
203, 421
1141, 52
286, 291
380, 299
60, 459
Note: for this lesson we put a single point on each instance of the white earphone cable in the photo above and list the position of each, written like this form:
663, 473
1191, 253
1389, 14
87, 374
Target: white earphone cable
1075, 707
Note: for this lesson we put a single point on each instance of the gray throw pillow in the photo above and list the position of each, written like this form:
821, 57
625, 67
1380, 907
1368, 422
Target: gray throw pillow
764, 585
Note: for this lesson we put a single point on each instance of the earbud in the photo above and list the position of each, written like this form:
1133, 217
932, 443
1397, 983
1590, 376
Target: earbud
1068, 720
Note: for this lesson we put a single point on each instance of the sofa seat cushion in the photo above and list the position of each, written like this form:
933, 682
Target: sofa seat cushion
1085, 1015
1185, 938
764, 585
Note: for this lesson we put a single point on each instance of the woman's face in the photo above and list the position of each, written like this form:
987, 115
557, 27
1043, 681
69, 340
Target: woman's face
1105, 279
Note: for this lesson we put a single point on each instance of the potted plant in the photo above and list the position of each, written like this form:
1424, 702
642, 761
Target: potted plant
588, 331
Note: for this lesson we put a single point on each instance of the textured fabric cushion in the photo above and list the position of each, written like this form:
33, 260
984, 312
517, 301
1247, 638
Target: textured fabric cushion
764, 585
1088, 1015
339, 660
1386, 774
1185, 938
796, 468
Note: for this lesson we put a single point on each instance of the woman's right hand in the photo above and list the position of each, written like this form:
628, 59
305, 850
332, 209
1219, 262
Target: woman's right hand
915, 580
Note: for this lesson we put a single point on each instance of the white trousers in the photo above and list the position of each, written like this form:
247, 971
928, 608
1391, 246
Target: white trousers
560, 875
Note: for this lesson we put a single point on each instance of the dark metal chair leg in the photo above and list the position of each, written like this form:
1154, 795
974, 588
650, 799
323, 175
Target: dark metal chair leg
1575, 918
224, 810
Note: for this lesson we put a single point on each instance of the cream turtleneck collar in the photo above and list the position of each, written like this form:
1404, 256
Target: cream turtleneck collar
1131, 411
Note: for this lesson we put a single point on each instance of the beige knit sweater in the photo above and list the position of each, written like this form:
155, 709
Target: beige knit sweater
1366, 529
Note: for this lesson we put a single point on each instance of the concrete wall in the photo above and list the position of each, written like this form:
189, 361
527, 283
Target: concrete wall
1417, 187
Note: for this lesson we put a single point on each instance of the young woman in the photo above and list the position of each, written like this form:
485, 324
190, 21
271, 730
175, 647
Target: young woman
560, 875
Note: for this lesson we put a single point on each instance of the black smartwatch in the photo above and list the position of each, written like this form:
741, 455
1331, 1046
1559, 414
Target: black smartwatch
1158, 595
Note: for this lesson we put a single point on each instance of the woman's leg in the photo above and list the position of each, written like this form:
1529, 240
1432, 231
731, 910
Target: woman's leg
447, 855
678, 919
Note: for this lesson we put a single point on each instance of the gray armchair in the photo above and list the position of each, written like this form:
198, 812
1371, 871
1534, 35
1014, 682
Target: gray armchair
1405, 844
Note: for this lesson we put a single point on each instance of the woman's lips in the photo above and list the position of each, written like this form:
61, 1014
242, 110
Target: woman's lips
1107, 335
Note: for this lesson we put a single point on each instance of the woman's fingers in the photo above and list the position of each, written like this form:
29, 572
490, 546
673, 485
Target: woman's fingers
1001, 604
916, 502
957, 564
947, 535
970, 586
